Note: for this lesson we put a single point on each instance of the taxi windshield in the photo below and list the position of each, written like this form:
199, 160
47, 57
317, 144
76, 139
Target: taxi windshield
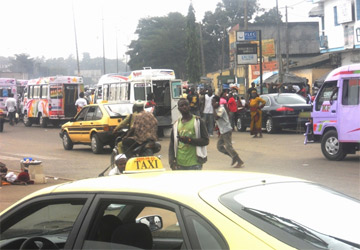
304, 207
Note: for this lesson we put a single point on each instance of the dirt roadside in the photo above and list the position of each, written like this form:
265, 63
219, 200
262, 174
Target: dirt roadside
9, 194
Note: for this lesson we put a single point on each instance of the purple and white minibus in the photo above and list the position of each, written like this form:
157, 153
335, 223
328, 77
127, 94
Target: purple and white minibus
335, 116
7, 87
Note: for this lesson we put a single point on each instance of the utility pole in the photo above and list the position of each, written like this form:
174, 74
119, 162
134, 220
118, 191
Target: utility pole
246, 68
278, 54
76, 45
103, 43
287, 40
202, 52
117, 54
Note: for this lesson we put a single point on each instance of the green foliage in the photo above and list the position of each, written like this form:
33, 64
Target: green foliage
216, 25
160, 44
22, 63
193, 64
269, 17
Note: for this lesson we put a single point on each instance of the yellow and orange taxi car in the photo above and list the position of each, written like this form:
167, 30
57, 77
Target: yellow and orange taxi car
182, 210
93, 126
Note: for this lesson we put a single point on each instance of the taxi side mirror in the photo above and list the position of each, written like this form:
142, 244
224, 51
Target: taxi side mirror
154, 222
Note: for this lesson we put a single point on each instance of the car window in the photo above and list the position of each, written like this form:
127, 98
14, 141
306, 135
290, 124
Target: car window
203, 235
313, 213
267, 99
351, 91
90, 114
290, 99
98, 114
129, 224
51, 218
328, 90
82, 115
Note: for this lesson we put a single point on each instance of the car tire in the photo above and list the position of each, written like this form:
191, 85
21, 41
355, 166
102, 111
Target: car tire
26, 120
240, 125
96, 145
331, 148
43, 121
67, 143
269, 125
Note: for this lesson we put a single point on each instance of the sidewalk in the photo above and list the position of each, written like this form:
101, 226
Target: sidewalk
9, 194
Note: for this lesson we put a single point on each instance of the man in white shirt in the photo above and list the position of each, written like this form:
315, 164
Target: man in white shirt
80, 102
120, 163
10, 105
208, 112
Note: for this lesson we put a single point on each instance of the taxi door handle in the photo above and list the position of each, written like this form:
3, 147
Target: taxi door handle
91, 123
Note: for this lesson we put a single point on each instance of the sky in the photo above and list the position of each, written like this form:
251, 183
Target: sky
46, 27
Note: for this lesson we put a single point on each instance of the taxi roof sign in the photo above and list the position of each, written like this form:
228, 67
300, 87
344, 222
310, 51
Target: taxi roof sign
143, 164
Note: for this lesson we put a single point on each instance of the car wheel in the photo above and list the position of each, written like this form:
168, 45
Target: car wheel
43, 121
331, 148
269, 125
96, 145
240, 125
67, 143
26, 120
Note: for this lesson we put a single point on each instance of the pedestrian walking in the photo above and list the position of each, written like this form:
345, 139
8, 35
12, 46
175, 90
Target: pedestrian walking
224, 144
232, 107
208, 115
80, 102
188, 141
193, 98
10, 105
256, 104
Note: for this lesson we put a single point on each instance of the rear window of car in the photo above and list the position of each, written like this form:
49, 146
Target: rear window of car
116, 110
290, 99
297, 206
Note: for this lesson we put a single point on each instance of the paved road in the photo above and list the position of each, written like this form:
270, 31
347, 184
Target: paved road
283, 154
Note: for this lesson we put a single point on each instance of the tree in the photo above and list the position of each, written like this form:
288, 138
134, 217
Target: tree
193, 64
269, 17
160, 44
22, 63
228, 13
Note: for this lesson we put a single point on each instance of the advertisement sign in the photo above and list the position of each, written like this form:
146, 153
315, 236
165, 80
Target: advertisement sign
344, 14
246, 36
268, 47
246, 53
266, 67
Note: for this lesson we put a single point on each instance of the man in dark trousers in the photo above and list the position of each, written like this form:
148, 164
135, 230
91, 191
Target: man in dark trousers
224, 144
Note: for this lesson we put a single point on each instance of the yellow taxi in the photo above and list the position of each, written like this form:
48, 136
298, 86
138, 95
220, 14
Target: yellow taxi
93, 126
148, 209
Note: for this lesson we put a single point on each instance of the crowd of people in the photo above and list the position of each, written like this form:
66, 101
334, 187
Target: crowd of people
202, 115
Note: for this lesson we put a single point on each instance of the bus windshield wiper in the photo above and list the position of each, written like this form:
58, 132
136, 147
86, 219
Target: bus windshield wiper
290, 226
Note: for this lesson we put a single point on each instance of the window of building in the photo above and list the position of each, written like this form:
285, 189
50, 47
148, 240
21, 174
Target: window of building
336, 23
357, 9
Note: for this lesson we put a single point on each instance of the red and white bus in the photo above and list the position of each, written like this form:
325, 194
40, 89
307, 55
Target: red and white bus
51, 99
